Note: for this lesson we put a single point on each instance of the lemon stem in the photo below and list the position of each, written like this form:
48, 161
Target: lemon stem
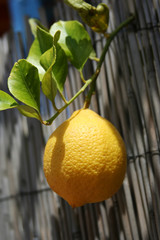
106, 47
49, 121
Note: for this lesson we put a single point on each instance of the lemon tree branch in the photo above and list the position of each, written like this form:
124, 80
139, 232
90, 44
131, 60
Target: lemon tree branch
106, 47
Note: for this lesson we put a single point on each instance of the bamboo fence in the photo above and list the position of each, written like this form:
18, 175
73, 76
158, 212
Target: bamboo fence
128, 94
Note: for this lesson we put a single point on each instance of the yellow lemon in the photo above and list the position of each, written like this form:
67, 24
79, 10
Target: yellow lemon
85, 159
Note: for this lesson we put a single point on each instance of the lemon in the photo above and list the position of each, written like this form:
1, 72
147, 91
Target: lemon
85, 159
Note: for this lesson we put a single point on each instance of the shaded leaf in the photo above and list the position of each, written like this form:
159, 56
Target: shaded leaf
45, 39
29, 111
34, 23
49, 86
34, 57
56, 37
57, 58
75, 41
24, 83
42, 43
60, 68
80, 51
6, 101
48, 58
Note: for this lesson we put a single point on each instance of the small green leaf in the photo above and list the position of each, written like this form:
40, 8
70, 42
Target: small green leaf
56, 37
34, 23
49, 86
95, 17
60, 68
48, 58
24, 83
45, 39
57, 58
75, 41
29, 112
34, 57
6, 101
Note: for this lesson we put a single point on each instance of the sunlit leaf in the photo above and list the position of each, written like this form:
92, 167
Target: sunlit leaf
74, 40
24, 83
6, 101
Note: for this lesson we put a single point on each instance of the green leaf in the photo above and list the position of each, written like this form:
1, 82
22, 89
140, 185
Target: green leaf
56, 37
24, 83
34, 57
60, 68
74, 40
29, 112
34, 23
48, 58
95, 17
49, 86
57, 58
42, 42
6, 101
45, 39
80, 51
